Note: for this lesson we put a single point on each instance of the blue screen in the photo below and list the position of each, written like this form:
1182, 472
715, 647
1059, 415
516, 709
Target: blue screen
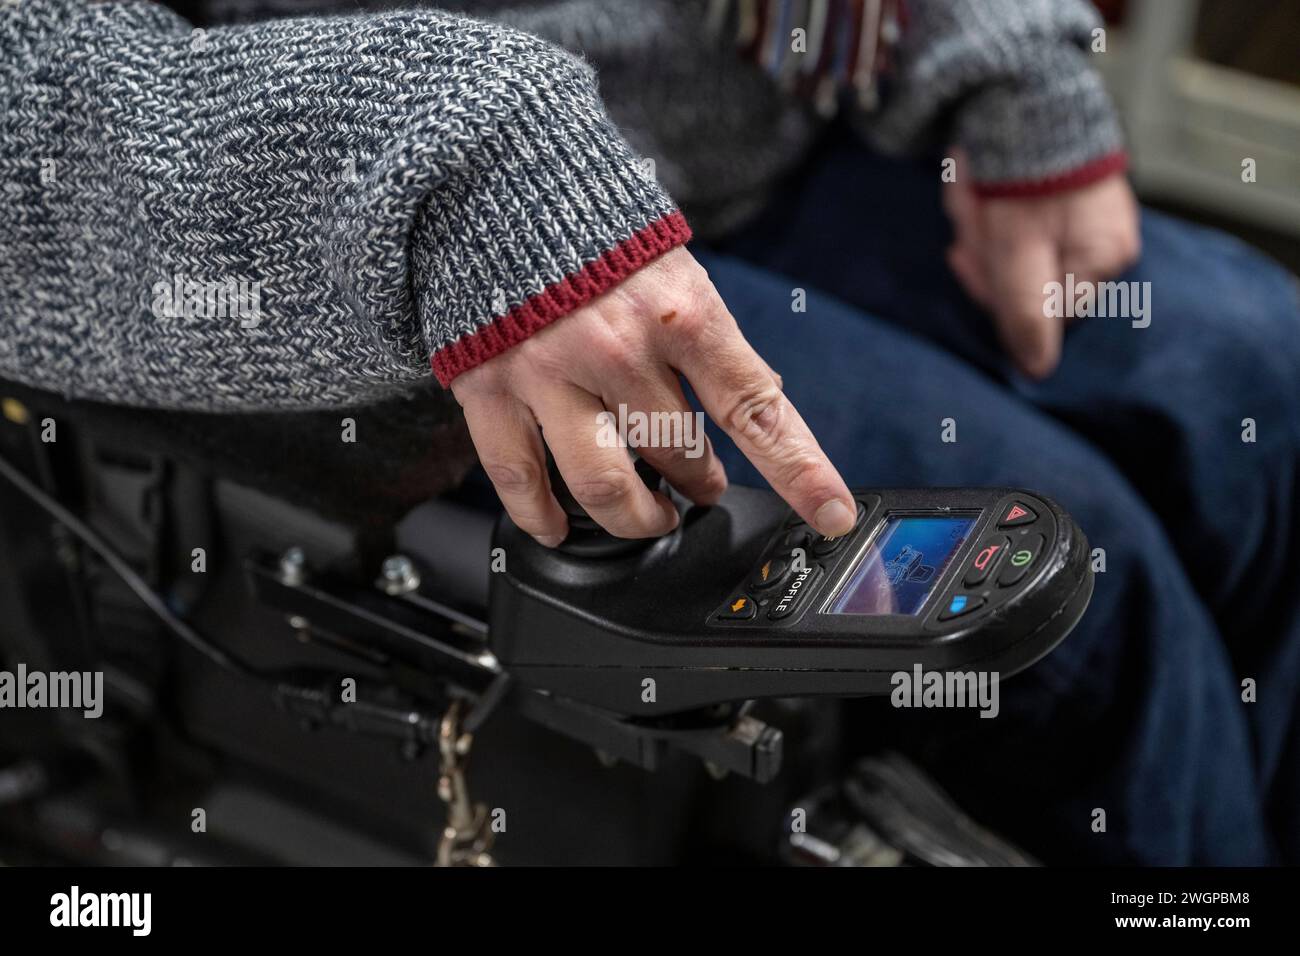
902, 565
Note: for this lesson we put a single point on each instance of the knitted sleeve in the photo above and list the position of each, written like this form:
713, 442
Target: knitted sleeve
298, 213
1011, 82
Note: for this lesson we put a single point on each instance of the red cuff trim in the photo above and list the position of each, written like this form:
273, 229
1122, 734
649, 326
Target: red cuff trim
560, 298
1062, 182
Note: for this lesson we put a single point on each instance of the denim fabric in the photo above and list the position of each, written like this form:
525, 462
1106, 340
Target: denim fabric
1139, 712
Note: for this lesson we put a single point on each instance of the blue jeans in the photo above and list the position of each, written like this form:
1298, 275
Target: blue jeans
1140, 712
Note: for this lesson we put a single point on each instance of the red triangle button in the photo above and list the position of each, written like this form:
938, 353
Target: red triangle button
1017, 514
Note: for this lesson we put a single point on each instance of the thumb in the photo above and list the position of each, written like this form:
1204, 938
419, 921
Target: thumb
1017, 279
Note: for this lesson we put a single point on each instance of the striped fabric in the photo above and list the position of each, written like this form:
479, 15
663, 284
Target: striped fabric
257, 209
819, 49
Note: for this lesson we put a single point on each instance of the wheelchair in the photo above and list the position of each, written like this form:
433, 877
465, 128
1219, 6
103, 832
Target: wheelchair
313, 654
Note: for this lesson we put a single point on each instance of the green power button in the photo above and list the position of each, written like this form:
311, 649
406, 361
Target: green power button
1019, 560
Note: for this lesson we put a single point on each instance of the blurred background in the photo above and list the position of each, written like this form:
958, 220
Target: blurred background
1202, 86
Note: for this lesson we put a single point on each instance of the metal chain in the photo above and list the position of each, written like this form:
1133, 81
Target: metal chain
467, 837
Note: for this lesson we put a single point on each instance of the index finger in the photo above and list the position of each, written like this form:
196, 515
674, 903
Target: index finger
742, 395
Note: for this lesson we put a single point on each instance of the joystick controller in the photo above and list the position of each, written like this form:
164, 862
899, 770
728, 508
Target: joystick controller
586, 538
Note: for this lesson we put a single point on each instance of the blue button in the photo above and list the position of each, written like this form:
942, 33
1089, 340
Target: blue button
961, 604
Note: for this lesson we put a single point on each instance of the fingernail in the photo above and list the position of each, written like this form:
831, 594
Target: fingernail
670, 513
549, 540
833, 519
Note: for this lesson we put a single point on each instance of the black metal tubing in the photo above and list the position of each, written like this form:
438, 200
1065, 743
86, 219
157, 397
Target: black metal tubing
412, 633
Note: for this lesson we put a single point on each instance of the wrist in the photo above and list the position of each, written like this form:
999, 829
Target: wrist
511, 326
553, 209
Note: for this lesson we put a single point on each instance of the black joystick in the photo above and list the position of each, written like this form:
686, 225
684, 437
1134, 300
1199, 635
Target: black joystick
586, 538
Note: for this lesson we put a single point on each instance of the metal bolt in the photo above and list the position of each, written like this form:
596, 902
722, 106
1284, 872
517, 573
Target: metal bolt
293, 566
399, 575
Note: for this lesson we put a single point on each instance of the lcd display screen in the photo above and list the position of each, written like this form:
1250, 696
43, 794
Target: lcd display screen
902, 564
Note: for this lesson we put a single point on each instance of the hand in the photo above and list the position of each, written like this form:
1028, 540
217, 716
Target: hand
627, 347
1006, 250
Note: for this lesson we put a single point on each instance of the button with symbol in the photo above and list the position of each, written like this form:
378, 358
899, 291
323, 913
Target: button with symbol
739, 608
792, 593
824, 546
1017, 513
985, 560
769, 574
1023, 554
960, 604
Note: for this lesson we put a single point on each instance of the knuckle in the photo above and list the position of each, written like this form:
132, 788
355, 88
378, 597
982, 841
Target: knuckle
757, 413
480, 382
699, 312
540, 359
681, 466
603, 490
609, 349
671, 454
694, 329
518, 477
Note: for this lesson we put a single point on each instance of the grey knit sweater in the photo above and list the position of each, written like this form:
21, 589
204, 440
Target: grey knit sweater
311, 211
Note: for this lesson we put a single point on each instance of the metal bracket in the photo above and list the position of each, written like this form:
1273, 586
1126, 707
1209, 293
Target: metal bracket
410, 635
